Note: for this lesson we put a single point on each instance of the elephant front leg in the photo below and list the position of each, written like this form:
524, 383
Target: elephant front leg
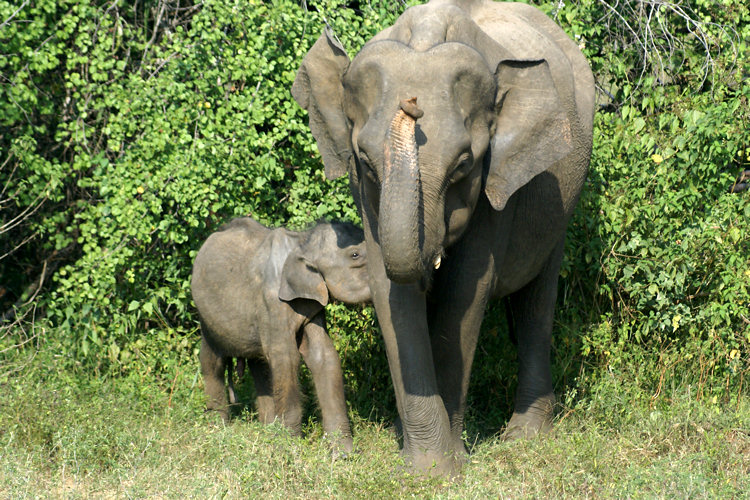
401, 311
283, 361
456, 313
323, 361
533, 311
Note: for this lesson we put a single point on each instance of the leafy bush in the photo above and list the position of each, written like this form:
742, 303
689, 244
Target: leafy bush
168, 132
130, 131
655, 286
658, 260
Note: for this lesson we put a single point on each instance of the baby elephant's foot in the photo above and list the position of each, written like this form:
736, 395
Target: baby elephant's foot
341, 446
217, 416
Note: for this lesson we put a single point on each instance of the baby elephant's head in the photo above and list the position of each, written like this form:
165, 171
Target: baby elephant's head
331, 259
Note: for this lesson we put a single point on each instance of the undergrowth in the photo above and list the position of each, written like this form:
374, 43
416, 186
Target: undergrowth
124, 438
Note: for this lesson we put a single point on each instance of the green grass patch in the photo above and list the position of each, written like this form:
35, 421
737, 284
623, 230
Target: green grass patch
81, 437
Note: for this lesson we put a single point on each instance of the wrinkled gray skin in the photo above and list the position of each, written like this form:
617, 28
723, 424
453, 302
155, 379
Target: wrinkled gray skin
260, 294
464, 194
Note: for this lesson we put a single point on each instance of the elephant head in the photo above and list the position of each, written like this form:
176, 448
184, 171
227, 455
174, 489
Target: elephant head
430, 115
330, 259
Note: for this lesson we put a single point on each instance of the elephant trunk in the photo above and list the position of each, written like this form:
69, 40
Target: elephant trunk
399, 225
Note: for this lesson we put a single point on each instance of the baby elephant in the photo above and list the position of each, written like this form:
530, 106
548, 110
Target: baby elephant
260, 294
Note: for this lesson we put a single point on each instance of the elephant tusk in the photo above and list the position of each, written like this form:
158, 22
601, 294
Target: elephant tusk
437, 262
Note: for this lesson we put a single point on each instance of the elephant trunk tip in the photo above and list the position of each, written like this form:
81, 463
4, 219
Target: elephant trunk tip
409, 106
403, 263
404, 276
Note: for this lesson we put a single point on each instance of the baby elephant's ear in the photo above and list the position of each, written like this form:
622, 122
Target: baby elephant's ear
300, 280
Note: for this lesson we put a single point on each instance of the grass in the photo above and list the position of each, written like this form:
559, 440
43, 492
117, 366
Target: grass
70, 437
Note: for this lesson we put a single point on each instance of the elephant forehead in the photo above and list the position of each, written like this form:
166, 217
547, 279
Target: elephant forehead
392, 67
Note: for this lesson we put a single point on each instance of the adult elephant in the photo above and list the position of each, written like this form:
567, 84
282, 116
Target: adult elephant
464, 193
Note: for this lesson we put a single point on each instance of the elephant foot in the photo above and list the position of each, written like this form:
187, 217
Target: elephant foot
216, 416
444, 465
341, 446
460, 453
530, 420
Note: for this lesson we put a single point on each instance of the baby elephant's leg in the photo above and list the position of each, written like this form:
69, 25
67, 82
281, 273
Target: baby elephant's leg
283, 360
263, 391
324, 364
213, 367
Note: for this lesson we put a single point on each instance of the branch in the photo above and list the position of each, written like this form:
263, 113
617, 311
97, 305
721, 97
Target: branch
14, 14
27, 212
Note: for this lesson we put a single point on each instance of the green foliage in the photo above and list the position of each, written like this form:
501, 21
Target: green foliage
129, 131
362, 353
162, 135
658, 255
655, 287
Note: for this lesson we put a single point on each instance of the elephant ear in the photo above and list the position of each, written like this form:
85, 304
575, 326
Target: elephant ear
301, 280
532, 129
318, 88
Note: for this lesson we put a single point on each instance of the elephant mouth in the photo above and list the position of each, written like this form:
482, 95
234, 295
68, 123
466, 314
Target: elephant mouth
426, 279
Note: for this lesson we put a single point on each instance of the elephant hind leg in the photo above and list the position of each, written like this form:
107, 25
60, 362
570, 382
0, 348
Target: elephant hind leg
213, 368
532, 310
263, 390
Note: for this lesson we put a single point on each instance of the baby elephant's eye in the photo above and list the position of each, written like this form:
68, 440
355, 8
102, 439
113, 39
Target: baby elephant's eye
355, 255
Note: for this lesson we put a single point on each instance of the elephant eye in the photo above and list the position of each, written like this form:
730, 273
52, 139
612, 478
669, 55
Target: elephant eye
355, 255
463, 166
